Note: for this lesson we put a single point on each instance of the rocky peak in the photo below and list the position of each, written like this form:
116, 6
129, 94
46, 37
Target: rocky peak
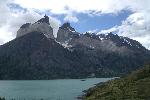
121, 41
42, 26
25, 25
110, 34
66, 33
45, 19
67, 26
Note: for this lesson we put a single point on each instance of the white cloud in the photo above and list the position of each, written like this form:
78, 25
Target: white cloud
91, 7
11, 21
93, 31
70, 15
58, 6
4, 12
7, 36
99, 6
55, 24
136, 26
71, 18
113, 29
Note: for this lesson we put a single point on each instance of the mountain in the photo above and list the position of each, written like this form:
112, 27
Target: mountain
36, 54
33, 56
41, 25
106, 42
105, 53
66, 33
135, 86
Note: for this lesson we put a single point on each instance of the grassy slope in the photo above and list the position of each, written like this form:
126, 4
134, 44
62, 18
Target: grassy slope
135, 86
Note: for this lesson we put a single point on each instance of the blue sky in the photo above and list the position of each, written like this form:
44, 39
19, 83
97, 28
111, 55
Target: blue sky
86, 22
96, 23
130, 18
99, 22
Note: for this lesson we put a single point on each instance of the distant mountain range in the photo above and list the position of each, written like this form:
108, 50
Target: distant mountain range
36, 54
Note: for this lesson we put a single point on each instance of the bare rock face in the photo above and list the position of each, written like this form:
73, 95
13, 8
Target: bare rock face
112, 43
34, 56
41, 25
66, 33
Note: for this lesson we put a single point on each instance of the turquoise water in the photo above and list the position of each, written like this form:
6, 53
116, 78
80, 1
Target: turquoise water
61, 89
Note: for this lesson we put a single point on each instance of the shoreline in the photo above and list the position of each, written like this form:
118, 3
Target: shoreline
75, 92
91, 89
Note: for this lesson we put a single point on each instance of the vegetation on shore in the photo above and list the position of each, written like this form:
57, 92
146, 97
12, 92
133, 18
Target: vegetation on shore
2, 98
135, 86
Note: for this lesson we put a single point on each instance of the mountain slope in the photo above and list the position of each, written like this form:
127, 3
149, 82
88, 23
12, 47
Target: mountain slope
37, 54
105, 54
33, 56
135, 86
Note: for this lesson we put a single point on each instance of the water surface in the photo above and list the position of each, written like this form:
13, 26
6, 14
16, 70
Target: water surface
62, 89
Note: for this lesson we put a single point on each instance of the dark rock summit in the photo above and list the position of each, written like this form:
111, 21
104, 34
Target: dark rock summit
25, 25
45, 19
66, 33
33, 56
66, 26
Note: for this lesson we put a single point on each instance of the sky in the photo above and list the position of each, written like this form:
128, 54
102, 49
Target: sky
129, 18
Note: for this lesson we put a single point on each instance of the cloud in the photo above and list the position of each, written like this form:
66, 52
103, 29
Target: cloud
113, 29
136, 26
70, 8
4, 12
70, 15
93, 31
11, 18
11, 22
7, 36
84, 6
105, 6
55, 24
71, 18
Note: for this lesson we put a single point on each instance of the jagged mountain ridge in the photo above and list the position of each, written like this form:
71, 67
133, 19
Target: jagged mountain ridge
66, 33
36, 54
33, 56
108, 41
110, 52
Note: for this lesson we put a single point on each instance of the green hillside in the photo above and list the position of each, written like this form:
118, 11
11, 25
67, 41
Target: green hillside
135, 86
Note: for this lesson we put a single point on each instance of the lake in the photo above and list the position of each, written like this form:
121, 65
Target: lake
61, 89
